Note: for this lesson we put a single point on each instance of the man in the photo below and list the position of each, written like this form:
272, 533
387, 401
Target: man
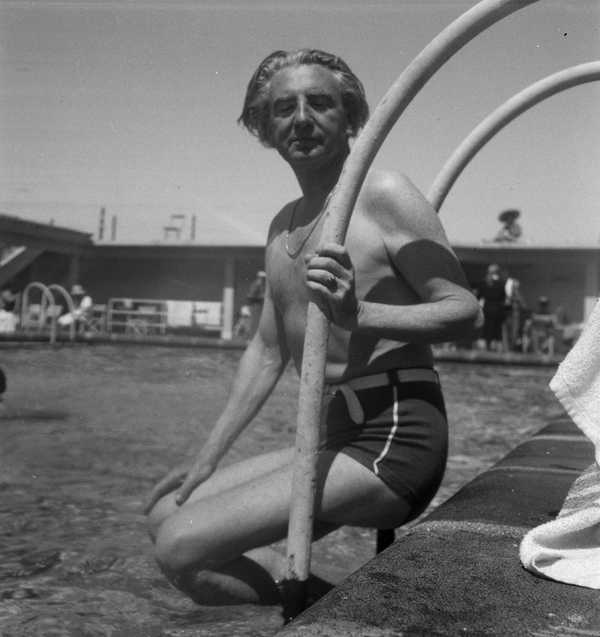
394, 288
492, 294
83, 306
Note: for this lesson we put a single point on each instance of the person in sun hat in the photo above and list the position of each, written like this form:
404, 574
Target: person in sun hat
511, 230
394, 288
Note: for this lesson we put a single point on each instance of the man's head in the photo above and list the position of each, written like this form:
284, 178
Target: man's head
493, 271
77, 290
256, 114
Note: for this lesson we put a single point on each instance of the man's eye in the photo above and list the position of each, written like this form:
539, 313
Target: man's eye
283, 109
319, 103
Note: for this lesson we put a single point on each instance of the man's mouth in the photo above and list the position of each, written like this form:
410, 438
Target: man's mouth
304, 142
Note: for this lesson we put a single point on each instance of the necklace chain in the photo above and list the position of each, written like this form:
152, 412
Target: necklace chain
294, 253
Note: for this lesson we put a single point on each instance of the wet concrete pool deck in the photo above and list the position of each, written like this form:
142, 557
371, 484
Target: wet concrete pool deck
458, 571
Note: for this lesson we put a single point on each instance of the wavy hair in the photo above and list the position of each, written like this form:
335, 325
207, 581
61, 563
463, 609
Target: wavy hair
255, 115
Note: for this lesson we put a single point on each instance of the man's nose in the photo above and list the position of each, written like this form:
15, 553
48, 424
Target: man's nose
303, 114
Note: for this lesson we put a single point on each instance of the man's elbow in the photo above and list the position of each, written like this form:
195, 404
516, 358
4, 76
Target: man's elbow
465, 317
472, 318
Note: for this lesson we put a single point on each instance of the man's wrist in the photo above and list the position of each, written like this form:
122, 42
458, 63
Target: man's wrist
359, 316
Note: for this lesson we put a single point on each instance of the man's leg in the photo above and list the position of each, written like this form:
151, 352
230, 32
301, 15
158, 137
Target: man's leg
222, 480
210, 547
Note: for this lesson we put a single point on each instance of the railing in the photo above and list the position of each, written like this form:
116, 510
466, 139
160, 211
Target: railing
154, 316
136, 316
132, 316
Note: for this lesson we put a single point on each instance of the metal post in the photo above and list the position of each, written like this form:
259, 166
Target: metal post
74, 269
228, 299
592, 285
338, 212
101, 222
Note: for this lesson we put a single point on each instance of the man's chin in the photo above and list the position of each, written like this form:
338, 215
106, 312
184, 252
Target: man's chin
305, 155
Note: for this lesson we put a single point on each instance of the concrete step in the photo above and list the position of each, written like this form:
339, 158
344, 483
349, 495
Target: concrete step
458, 572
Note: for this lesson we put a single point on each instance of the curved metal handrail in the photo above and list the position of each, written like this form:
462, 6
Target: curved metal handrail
47, 300
70, 305
503, 115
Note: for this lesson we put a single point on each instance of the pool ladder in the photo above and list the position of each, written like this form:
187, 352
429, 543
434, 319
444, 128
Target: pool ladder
41, 317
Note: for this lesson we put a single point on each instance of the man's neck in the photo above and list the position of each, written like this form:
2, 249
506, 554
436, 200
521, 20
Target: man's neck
317, 182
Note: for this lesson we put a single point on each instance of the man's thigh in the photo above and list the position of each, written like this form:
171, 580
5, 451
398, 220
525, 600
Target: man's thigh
255, 512
353, 495
222, 480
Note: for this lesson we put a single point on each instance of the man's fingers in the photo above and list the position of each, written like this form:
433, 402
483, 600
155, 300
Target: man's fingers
166, 485
155, 495
183, 493
335, 251
193, 479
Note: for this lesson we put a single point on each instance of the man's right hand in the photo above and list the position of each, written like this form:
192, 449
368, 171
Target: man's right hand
183, 479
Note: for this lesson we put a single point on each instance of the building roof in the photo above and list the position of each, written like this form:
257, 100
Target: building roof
15, 231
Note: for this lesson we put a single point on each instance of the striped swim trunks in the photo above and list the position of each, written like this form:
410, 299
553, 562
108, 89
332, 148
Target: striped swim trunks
394, 423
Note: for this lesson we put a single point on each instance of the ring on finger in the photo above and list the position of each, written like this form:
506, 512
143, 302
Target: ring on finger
331, 282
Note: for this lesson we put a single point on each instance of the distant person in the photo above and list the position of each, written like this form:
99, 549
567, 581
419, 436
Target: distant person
540, 329
243, 326
8, 316
514, 315
394, 288
511, 230
2, 384
82, 312
255, 299
492, 294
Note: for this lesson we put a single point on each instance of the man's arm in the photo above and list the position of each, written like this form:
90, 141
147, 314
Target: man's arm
417, 245
259, 370
442, 307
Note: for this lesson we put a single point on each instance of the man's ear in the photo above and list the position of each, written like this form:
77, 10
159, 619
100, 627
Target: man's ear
350, 128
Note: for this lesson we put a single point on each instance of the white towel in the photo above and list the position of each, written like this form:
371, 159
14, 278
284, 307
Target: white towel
577, 381
567, 549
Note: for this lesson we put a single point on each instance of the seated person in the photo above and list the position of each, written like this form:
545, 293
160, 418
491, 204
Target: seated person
8, 316
83, 309
540, 329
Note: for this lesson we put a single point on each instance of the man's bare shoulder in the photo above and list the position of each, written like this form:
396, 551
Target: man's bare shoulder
395, 204
387, 190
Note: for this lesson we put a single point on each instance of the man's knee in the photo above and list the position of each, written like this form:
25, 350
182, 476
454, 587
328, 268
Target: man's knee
177, 549
162, 510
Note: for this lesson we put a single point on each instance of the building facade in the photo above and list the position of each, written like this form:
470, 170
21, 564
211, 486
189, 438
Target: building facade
569, 276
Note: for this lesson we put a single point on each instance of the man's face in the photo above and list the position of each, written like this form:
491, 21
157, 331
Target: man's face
308, 119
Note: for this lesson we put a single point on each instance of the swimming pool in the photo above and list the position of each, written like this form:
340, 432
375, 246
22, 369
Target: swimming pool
86, 431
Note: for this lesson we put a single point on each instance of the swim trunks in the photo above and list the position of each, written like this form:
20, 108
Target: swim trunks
394, 424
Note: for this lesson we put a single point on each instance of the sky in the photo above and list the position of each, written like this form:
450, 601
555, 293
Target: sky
132, 106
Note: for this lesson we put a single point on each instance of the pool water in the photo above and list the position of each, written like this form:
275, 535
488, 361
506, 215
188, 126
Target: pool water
87, 430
